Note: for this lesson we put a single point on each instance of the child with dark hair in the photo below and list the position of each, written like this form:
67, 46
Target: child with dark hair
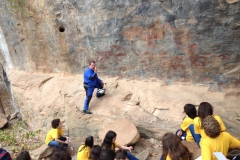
121, 155
95, 152
205, 109
110, 142
56, 136
191, 113
84, 150
24, 155
107, 154
215, 140
173, 149
62, 155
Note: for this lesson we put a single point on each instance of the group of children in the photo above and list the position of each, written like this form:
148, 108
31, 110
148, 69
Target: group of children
55, 137
209, 127
106, 151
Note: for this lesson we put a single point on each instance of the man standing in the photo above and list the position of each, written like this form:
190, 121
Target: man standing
91, 81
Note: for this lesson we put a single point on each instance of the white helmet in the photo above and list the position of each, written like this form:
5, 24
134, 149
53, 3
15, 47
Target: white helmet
101, 91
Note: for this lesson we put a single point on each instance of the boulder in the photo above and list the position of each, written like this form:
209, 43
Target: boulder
77, 142
14, 115
232, 1
127, 133
41, 152
196, 153
144, 155
193, 148
157, 157
3, 120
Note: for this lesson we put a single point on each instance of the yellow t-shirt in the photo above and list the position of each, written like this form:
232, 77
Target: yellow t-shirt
53, 133
114, 146
168, 158
220, 144
83, 154
199, 130
184, 126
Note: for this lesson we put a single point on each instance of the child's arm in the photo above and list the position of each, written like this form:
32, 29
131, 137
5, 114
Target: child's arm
62, 134
126, 148
179, 133
58, 140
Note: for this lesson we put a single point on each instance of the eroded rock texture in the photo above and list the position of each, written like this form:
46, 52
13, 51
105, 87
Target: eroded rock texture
173, 40
152, 106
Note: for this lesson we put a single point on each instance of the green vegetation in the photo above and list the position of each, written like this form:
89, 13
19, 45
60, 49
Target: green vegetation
16, 6
19, 137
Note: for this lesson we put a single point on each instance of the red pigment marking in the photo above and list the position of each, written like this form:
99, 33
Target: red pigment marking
120, 54
224, 56
147, 53
115, 47
163, 53
177, 63
198, 60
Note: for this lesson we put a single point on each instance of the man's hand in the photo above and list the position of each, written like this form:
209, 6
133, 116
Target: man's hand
95, 69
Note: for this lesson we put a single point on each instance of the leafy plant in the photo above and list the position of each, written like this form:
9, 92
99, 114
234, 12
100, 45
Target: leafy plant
18, 136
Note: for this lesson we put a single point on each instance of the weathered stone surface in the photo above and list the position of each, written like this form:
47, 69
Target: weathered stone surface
144, 155
196, 154
41, 152
192, 146
232, 1
6, 106
3, 120
175, 41
157, 157
127, 133
43, 97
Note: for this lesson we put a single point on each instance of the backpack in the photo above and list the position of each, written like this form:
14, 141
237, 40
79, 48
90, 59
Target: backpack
4, 155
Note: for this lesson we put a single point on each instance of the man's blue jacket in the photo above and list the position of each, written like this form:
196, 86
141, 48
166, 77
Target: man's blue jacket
90, 78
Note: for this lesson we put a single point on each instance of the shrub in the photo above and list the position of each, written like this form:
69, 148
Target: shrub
19, 136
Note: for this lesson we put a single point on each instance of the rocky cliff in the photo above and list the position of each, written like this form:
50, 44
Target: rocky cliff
173, 40
150, 42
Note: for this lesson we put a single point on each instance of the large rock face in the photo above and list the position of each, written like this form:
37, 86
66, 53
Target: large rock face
153, 107
173, 40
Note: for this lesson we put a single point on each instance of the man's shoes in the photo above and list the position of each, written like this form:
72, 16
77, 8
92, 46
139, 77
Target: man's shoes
100, 95
87, 112
101, 92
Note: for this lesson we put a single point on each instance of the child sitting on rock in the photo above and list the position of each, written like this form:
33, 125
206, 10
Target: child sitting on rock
205, 109
191, 113
84, 150
56, 136
110, 142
